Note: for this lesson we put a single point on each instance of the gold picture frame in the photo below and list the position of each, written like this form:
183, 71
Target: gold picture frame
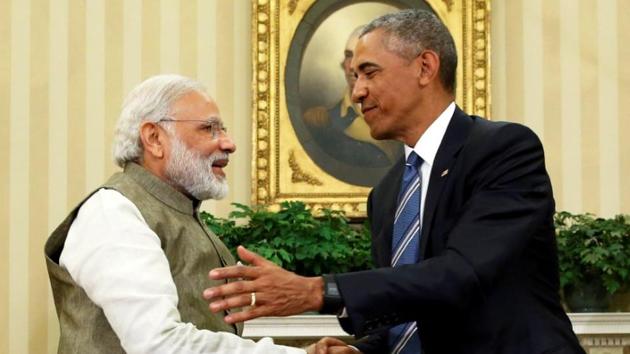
282, 169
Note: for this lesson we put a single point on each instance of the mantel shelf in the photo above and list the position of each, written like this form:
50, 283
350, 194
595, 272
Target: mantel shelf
316, 326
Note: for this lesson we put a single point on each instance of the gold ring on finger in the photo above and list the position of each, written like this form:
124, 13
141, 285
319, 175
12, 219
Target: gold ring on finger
253, 301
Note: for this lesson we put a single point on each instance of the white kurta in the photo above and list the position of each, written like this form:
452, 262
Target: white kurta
111, 253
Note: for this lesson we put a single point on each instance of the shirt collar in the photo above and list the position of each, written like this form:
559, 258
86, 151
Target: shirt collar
427, 146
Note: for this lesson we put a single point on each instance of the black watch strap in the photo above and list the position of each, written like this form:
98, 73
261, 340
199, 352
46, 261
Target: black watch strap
333, 303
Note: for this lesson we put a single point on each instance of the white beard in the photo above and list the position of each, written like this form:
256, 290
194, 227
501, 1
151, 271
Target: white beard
188, 170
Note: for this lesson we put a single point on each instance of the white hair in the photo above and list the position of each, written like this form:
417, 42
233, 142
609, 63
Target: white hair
151, 101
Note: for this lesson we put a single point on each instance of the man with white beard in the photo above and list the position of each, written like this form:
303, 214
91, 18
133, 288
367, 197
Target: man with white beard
127, 266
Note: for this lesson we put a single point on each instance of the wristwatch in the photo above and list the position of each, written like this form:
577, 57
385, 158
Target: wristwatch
333, 303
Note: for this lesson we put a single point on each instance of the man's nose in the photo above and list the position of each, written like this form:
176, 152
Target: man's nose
359, 91
226, 144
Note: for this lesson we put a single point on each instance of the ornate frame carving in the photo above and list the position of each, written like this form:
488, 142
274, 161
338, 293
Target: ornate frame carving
281, 170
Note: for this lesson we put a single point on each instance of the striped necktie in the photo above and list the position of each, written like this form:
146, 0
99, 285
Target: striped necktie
403, 338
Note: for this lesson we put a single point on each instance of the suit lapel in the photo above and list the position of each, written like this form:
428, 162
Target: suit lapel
453, 140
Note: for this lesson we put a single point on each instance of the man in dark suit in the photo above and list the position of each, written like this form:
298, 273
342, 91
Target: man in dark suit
462, 229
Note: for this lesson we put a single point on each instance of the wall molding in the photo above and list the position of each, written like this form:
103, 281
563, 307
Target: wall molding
594, 329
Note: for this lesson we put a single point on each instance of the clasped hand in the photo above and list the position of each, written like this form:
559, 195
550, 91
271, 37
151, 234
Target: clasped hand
328, 345
278, 292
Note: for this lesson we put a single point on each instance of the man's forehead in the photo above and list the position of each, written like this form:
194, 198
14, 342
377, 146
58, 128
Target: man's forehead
196, 106
366, 47
196, 98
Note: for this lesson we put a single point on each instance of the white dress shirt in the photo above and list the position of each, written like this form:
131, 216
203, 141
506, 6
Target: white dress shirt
116, 258
427, 146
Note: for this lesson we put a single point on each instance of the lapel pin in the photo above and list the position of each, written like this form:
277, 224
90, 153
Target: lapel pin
444, 173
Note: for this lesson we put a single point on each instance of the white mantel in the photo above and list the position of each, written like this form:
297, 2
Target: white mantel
596, 330
316, 326
601, 322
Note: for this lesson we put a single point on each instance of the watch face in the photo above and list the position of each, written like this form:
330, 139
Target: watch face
331, 289
333, 303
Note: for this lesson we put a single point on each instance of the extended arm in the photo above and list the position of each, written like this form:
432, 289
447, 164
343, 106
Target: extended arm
506, 206
114, 256
509, 205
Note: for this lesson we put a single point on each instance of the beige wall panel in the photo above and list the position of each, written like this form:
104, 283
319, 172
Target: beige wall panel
5, 111
150, 38
514, 62
38, 183
132, 44
77, 111
113, 78
589, 101
19, 174
532, 50
498, 60
57, 138
608, 114
581, 88
551, 85
241, 127
623, 85
95, 94
207, 57
207, 44
188, 39
570, 74
225, 52
169, 36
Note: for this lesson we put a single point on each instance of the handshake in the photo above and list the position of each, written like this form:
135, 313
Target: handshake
329, 345
264, 289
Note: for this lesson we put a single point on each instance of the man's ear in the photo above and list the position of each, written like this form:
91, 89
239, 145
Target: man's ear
152, 139
428, 67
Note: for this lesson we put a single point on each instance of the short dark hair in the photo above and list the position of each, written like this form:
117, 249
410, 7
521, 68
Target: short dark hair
414, 30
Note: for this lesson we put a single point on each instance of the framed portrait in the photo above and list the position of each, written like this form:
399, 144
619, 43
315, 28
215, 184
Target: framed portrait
310, 142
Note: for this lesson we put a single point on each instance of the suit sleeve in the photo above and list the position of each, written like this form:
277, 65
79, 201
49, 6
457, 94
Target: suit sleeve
376, 342
508, 202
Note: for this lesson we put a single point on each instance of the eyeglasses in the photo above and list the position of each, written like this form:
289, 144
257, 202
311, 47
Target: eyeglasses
213, 125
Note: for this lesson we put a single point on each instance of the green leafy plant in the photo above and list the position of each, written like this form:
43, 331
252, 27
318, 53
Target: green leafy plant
593, 248
294, 239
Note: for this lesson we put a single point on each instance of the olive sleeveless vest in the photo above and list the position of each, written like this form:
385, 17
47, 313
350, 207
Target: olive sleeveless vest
191, 249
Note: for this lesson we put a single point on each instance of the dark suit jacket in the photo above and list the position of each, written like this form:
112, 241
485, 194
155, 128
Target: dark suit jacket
488, 281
